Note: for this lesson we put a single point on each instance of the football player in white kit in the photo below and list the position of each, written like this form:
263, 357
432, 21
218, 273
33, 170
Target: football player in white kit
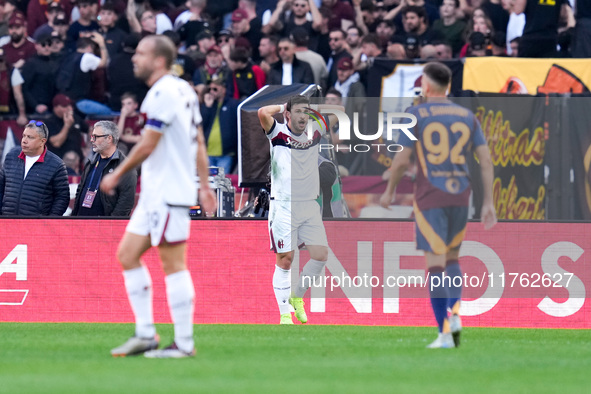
171, 148
294, 214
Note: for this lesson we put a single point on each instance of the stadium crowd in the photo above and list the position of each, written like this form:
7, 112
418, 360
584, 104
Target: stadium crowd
62, 61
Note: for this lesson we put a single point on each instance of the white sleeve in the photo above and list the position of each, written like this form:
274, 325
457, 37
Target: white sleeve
163, 23
16, 78
89, 62
266, 17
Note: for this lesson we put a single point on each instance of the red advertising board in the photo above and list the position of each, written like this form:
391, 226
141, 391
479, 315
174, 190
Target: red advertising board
516, 275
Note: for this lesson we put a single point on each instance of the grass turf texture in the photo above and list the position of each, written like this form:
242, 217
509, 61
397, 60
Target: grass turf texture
74, 358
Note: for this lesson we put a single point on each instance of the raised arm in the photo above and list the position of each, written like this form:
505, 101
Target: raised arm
266, 115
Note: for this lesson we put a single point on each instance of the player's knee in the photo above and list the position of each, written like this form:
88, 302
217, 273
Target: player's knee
284, 261
320, 254
125, 258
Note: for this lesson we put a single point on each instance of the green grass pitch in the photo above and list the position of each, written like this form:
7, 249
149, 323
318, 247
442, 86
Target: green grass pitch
74, 358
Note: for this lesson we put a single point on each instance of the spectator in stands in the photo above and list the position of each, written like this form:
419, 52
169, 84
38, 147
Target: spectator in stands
20, 47
74, 75
385, 30
54, 9
90, 201
342, 14
338, 46
354, 36
291, 14
120, 74
496, 13
268, 52
33, 181
86, 23
540, 34
220, 126
113, 35
145, 24
300, 38
66, 130
130, 122
250, 29
61, 26
514, 45
444, 50
370, 49
515, 25
395, 49
289, 70
431, 12
246, 78
184, 66
478, 24
72, 162
159, 8
195, 12
213, 68
38, 12
192, 22
582, 36
7, 8
368, 16
449, 25
39, 74
499, 44
415, 23
349, 86
478, 45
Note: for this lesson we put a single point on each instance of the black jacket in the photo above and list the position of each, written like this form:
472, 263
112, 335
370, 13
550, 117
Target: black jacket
301, 73
228, 124
121, 202
43, 192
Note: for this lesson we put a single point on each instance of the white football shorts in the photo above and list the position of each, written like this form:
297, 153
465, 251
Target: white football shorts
161, 222
295, 223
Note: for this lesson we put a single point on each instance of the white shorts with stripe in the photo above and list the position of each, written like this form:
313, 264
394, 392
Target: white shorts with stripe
161, 222
295, 224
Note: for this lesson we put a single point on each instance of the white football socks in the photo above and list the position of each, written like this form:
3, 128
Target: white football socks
138, 284
282, 288
181, 294
311, 270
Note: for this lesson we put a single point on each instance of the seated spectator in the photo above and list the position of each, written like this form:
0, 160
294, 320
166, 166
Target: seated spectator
66, 130
480, 24
120, 74
33, 181
289, 70
86, 23
20, 47
352, 91
39, 74
130, 123
220, 126
90, 200
113, 35
450, 26
246, 78
74, 77
213, 68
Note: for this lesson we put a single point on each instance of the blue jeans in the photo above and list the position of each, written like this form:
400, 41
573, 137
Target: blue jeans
91, 107
226, 162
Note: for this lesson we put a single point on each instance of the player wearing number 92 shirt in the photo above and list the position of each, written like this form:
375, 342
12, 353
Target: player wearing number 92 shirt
446, 134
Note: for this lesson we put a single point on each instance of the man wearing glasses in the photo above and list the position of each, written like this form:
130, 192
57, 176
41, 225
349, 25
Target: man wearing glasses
90, 201
33, 181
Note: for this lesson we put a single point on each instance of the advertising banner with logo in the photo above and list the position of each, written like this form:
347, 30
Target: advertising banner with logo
526, 76
515, 275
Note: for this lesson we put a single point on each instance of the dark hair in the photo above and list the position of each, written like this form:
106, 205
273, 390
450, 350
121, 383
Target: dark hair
174, 36
297, 100
372, 38
340, 31
334, 91
420, 11
300, 37
273, 39
130, 95
439, 73
84, 42
239, 54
